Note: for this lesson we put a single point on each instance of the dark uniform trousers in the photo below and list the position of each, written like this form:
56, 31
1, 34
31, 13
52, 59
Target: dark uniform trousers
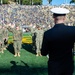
17, 46
60, 68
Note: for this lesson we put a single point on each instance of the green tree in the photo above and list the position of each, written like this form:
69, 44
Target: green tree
72, 1
3, 1
37, 2
32, 2
26, 2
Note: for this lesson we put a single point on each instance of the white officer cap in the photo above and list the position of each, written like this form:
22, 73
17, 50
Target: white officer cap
59, 10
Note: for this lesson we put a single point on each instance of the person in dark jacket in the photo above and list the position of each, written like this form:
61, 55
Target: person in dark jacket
58, 42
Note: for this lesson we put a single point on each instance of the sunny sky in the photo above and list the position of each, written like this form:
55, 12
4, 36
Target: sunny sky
56, 2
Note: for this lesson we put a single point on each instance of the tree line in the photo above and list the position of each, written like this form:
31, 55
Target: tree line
28, 2
22, 2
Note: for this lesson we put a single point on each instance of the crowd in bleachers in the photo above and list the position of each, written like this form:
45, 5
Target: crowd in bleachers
25, 15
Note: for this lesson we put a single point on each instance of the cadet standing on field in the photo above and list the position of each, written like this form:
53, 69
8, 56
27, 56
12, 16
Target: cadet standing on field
5, 37
1, 39
39, 36
32, 28
17, 38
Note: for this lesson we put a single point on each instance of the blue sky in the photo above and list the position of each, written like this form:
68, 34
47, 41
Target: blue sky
56, 2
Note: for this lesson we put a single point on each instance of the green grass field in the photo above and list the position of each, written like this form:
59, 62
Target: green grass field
27, 64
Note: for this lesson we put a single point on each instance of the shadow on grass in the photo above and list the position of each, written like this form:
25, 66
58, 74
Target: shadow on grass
16, 69
10, 48
28, 47
24, 69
